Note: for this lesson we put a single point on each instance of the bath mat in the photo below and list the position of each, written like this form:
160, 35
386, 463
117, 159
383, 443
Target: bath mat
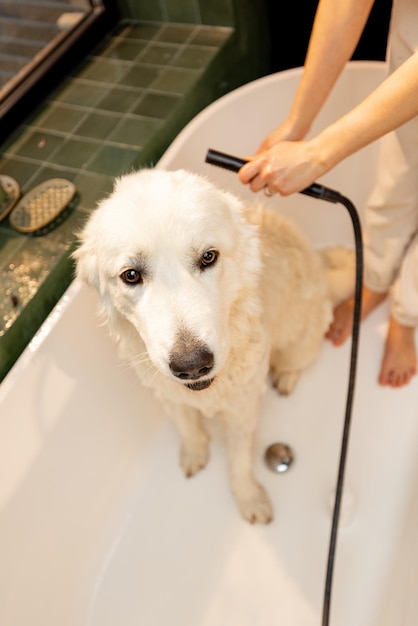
40, 206
12, 191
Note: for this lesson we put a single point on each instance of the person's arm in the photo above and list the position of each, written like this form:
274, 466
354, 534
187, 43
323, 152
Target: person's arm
336, 31
291, 166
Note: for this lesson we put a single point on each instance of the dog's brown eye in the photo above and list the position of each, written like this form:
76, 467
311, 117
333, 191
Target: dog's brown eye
131, 277
208, 258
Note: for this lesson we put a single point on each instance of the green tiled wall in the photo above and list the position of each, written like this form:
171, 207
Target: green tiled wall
210, 12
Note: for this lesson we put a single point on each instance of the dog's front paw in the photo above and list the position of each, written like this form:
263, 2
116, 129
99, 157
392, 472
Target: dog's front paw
285, 382
255, 505
194, 458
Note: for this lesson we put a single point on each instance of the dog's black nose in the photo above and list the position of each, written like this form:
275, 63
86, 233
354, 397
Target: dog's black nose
192, 365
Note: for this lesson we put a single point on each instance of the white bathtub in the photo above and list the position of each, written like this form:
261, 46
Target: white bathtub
98, 527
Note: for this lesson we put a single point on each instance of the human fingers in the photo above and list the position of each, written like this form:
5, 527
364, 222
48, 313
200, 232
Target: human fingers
259, 175
250, 170
286, 131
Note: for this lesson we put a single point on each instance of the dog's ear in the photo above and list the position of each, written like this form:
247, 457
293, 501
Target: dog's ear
85, 256
88, 270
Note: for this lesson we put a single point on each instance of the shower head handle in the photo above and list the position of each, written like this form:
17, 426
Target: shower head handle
234, 164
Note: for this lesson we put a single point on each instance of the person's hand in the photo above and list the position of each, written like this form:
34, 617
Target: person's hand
287, 167
287, 131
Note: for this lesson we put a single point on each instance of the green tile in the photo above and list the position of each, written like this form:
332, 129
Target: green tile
61, 117
174, 80
156, 105
97, 125
81, 93
92, 188
9, 245
104, 70
119, 100
175, 33
120, 29
139, 76
113, 161
181, 11
10, 142
75, 153
194, 57
65, 229
217, 12
47, 172
106, 40
134, 131
159, 54
39, 145
146, 31
124, 50
211, 36
21, 171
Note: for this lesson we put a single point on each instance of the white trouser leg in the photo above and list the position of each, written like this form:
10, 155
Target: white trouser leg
391, 214
404, 293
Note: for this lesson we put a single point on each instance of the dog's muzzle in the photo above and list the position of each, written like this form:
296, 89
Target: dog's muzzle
199, 385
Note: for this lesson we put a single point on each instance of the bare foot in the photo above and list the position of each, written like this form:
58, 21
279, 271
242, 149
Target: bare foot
399, 363
342, 324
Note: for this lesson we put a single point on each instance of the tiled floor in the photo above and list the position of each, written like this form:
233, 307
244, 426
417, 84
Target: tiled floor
90, 130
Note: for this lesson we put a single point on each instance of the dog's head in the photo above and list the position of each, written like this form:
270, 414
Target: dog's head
173, 255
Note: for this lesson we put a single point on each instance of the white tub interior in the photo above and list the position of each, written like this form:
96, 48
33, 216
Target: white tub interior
98, 527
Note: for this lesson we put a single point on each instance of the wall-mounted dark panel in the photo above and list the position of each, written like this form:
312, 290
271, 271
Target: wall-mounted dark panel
291, 25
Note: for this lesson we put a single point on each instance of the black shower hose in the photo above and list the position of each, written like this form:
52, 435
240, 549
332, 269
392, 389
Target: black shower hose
325, 193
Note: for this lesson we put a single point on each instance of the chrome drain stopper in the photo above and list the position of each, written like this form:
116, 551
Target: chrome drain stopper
279, 457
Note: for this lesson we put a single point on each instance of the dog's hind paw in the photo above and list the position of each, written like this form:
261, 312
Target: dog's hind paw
193, 459
256, 508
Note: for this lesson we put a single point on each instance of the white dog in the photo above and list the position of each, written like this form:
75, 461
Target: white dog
205, 295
